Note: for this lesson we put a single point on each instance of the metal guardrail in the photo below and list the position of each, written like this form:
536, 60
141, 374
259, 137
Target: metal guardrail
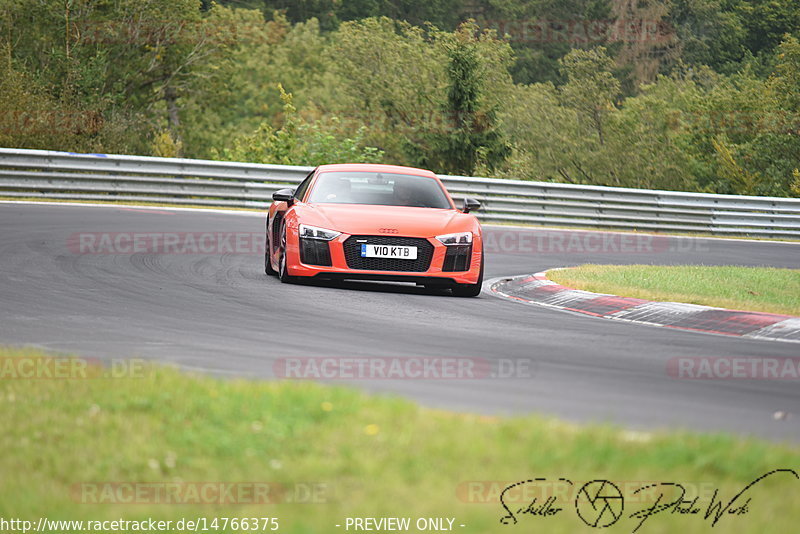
64, 175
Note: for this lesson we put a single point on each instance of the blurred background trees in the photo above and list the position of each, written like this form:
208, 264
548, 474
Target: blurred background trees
698, 95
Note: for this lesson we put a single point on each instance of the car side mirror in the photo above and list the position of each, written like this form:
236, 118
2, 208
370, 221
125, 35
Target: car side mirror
470, 204
284, 195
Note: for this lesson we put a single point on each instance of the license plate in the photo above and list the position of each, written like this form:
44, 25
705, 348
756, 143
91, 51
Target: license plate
388, 251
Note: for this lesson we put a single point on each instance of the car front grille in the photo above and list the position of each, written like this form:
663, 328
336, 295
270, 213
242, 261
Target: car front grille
352, 253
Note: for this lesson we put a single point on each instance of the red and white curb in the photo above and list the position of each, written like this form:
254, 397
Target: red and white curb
537, 289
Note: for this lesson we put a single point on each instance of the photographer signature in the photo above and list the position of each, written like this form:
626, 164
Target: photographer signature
600, 503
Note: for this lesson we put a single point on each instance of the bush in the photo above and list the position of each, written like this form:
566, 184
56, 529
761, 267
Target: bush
299, 142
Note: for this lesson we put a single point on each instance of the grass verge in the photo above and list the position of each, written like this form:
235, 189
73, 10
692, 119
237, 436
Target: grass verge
761, 289
339, 453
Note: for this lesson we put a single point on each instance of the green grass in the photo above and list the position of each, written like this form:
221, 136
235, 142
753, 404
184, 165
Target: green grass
372, 456
759, 289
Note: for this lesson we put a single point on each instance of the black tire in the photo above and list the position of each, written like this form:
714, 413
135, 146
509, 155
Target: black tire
268, 253
267, 260
470, 290
283, 273
268, 265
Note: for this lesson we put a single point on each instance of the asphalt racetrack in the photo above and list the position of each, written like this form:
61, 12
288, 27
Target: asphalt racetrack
218, 312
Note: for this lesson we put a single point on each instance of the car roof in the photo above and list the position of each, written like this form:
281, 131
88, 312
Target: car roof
374, 167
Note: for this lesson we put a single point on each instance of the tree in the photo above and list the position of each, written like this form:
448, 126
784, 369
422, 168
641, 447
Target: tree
591, 88
544, 135
470, 135
157, 52
398, 89
785, 80
238, 97
298, 142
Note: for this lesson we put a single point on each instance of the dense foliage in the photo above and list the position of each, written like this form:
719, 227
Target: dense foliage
698, 95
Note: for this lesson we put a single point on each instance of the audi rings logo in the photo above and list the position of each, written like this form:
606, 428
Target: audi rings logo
599, 503
388, 230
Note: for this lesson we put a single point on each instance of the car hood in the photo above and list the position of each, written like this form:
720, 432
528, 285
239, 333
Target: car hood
360, 219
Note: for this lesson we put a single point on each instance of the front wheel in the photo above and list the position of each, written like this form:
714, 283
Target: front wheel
268, 266
283, 272
470, 290
268, 252
268, 262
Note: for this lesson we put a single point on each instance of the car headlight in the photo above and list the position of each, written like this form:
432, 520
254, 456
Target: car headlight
461, 238
312, 232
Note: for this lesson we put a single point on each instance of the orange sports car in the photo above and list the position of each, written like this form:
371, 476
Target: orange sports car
374, 222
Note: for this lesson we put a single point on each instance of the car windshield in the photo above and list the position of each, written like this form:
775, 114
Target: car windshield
378, 188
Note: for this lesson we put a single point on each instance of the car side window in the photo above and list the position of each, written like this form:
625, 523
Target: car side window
300, 192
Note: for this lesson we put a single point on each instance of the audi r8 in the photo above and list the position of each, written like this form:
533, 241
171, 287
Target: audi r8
374, 222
